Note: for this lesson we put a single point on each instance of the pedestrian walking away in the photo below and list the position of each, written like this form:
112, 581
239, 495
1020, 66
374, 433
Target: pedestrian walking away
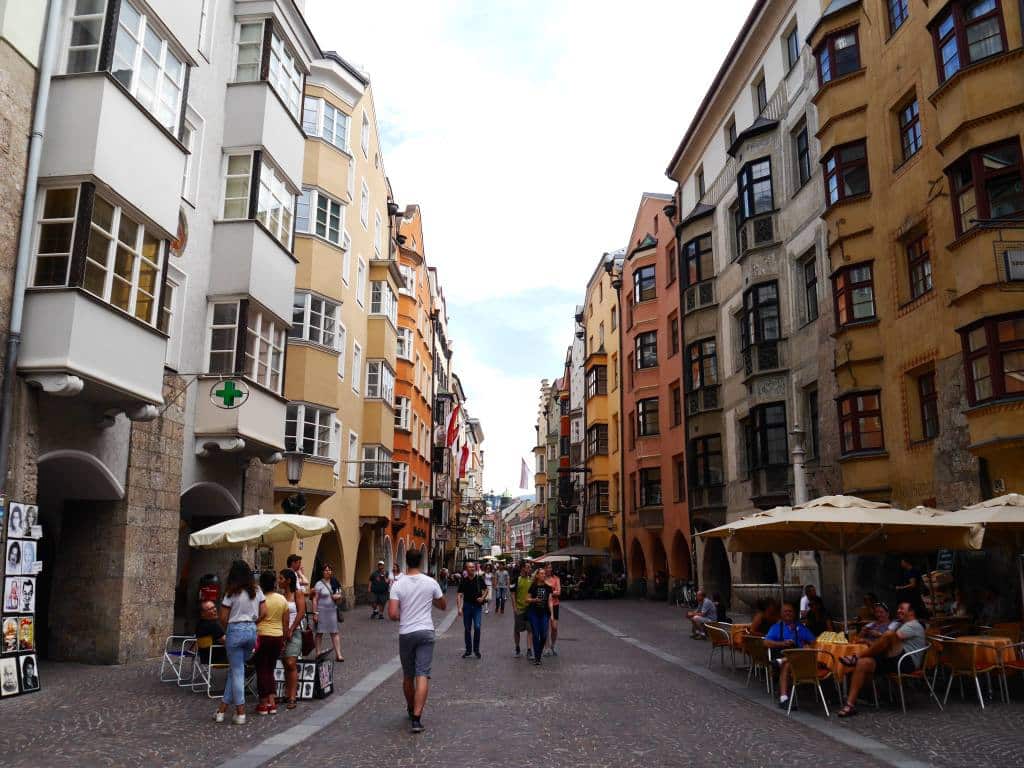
555, 583
379, 590
410, 605
539, 612
520, 602
471, 597
326, 598
242, 606
489, 583
269, 642
501, 578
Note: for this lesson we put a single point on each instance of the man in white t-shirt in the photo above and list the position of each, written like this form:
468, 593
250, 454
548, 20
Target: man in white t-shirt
410, 602
810, 592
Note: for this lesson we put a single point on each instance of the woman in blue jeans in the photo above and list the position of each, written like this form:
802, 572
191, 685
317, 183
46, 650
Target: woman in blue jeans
243, 605
539, 612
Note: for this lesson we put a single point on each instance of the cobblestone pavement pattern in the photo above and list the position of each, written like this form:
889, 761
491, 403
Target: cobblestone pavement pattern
602, 702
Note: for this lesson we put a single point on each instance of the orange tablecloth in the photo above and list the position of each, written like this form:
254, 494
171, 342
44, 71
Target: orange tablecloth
989, 644
736, 632
838, 650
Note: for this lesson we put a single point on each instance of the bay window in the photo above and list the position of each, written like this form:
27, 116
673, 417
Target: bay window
644, 286
402, 413
408, 286
846, 172
275, 203
987, 183
315, 319
261, 49
141, 59
765, 431
323, 120
994, 358
854, 291
399, 480
597, 381
383, 300
967, 32
117, 260
597, 440
380, 381
320, 215
706, 456
376, 469
649, 481
597, 498
308, 430
754, 185
759, 320
404, 349
838, 55
860, 422
257, 352
702, 365
698, 260
647, 350
647, 417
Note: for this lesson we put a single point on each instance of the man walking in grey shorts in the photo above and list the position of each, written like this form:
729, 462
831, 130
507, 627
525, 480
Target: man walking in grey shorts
412, 597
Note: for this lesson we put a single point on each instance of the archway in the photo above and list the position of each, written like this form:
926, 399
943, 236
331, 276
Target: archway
79, 508
659, 564
401, 555
389, 554
715, 572
679, 564
329, 552
615, 549
637, 569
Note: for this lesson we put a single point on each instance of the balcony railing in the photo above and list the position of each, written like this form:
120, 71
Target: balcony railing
762, 357
699, 296
704, 399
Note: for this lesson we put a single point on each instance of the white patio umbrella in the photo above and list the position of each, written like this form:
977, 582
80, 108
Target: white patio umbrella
554, 559
847, 525
260, 529
1002, 523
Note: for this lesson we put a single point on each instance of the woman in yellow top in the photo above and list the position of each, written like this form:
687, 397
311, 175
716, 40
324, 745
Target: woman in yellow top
270, 632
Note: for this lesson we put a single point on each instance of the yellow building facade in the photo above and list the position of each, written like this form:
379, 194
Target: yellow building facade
921, 109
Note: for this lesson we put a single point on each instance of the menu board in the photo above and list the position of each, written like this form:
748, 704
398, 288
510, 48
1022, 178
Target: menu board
19, 668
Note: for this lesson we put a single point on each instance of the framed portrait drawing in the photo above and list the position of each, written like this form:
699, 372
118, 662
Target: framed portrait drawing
16, 526
9, 676
14, 563
12, 594
9, 635
26, 633
29, 673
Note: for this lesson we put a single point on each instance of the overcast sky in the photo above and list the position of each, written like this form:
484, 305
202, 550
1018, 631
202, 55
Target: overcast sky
527, 131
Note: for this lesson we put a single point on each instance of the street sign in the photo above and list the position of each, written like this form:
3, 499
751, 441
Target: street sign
229, 393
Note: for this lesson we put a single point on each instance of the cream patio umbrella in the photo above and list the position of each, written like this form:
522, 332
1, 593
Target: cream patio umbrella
260, 529
1002, 523
847, 525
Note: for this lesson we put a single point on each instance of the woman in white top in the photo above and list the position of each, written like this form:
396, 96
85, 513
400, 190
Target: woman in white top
288, 583
242, 606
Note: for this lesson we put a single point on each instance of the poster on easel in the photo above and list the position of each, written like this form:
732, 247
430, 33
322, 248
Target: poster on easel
21, 531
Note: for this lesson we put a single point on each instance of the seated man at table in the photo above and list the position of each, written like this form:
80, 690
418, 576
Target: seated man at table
209, 626
883, 655
705, 612
881, 623
785, 634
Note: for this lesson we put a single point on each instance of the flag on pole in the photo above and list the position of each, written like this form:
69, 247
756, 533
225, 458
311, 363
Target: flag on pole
524, 475
453, 426
463, 461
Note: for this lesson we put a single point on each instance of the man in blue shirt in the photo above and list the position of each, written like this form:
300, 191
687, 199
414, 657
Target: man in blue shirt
787, 633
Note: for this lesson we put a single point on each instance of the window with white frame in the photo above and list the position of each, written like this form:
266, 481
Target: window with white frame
205, 13
351, 181
320, 215
404, 347
340, 341
170, 318
55, 227
361, 283
357, 365
352, 476
85, 35
336, 446
237, 176
283, 70
376, 467
402, 410
346, 259
323, 120
364, 136
380, 381
408, 286
364, 205
383, 300
263, 351
399, 479
378, 233
192, 138
314, 319
416, 371
308, 430
276, 204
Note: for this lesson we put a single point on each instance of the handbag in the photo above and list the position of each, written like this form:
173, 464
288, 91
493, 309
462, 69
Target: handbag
307, 638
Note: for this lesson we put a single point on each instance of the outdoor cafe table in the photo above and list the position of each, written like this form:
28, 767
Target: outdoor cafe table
838, 650
988, 647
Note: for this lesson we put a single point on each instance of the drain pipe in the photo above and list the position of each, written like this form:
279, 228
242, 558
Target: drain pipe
47, 58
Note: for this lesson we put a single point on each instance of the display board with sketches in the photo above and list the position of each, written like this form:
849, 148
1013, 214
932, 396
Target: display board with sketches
315, 678
19, 671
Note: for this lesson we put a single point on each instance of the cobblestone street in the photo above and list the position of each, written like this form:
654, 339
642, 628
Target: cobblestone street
628, 689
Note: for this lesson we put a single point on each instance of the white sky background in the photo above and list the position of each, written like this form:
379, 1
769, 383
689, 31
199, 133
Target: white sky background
527, 132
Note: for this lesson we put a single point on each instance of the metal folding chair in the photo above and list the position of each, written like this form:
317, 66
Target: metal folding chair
177, 650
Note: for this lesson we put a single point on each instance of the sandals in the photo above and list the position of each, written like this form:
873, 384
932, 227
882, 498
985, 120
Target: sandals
848, 661
291, 704
848, 710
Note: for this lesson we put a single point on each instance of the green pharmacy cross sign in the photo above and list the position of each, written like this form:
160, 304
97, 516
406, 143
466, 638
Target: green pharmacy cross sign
229, 393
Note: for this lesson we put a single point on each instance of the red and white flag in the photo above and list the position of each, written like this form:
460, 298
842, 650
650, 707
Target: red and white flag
453, 426
463, 461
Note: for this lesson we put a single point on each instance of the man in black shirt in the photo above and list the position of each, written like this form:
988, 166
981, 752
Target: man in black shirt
379, 590
473, 593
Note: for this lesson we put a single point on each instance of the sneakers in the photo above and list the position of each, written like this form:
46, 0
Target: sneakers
529, 653
272, 709
548, 651
262, 709
467, 654
218, 717
536, 662
409, 711
518, 653
417, 725
238, 719
477, 654
554, 652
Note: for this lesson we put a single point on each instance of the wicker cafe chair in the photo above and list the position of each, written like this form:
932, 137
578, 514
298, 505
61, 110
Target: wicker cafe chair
721, 639
757, 652
178, 649
961, 660
803, 665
